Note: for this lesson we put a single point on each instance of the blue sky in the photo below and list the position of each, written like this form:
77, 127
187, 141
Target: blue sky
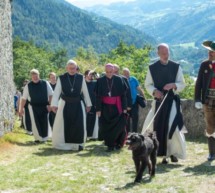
89, 3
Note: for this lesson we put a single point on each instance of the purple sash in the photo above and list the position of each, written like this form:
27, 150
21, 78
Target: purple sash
113, 101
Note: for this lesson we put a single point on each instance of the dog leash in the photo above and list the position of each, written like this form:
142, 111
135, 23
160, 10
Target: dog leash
157, 111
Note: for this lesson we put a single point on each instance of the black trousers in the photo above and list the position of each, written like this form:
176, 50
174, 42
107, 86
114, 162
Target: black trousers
133, 120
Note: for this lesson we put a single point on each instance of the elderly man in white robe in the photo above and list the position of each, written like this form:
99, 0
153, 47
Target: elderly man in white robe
69, 129
164, 79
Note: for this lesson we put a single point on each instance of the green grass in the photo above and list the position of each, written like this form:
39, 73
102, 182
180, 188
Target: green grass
29, 168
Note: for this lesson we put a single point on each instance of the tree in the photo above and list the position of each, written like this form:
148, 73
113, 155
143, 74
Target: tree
136, 59
188, 92
26, 57
59, 58
87, 58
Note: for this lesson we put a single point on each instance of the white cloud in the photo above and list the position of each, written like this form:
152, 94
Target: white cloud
89, 3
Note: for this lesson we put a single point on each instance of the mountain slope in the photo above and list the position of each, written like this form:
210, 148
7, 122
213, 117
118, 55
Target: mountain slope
61, 24
166, 20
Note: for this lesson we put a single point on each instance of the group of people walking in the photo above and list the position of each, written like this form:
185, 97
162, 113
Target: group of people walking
101, 108
80, 106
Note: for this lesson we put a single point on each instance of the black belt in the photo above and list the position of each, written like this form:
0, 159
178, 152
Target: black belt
39, 104
71, 99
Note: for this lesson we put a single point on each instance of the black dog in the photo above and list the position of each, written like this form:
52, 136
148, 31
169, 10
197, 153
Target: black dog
144, 150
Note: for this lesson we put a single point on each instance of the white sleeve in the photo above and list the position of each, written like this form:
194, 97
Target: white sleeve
86, 94
57, 93
25, 94
149, 84
49, 89
180, 81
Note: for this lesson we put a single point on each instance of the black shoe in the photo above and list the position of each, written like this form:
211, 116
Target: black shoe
36, 142
164, 161
118, 147
109, 149
80, 148
173, 158
211, 157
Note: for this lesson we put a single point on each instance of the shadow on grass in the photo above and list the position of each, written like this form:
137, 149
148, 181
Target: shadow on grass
145, 180
50, 151
25, 144
163, 168
97, 150
30, 143
131, 172
205, 168
89, 150
160, 168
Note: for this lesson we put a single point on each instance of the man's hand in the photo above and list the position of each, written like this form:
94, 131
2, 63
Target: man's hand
49, 108
169, 86
54, 109
128, 108
98, 113
158, 94
88, 109
21, 112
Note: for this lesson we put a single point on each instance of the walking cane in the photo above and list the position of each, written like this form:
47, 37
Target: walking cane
157, 111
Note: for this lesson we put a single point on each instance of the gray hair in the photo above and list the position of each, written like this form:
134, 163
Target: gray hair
116, 66
71, 62
52, 73
34, 71
163, 45
126, 69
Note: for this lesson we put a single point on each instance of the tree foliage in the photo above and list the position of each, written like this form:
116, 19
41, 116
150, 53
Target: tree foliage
28, 56
87, 59
131, 57
188, 92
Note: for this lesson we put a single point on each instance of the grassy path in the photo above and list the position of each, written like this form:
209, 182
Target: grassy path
29, 168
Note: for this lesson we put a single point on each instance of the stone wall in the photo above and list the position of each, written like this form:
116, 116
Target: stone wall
193, 118
6, 68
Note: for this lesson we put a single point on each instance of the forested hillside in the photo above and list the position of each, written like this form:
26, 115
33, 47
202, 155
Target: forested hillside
56, 23
168, 21
183, 24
